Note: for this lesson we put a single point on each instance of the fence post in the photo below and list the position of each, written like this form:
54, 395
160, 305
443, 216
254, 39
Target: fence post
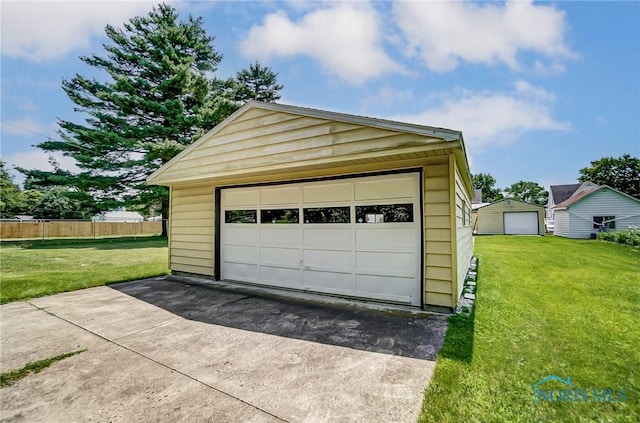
42, 231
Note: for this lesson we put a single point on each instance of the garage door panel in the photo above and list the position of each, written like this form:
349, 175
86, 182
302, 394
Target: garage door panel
521, 223
388, 188
327, 193
379, 261
280, 235
328, 237
280, 276
331, 282
400, 236
240, 198
280, 196
329, 259
241, 235
387, 263
289, 257
241, 271
386, 288
242, 253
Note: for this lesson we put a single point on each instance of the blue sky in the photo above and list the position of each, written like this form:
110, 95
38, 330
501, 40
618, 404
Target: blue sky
538, 89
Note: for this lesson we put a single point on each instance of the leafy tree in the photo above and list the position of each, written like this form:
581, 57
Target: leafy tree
530, 192
622, 173
257, 83
11, 200
487, 184
58, 203
155, 102
30, 199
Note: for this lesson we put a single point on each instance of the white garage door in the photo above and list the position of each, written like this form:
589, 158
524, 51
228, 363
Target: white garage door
521, 223
357, 237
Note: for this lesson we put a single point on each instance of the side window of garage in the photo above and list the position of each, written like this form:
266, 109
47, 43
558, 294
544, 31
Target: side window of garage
280, 216
387, 213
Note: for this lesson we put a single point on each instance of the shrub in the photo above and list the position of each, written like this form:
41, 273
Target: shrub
629, 236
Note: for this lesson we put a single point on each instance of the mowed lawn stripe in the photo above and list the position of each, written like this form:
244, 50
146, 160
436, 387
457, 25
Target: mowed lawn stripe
30, 269
545, 306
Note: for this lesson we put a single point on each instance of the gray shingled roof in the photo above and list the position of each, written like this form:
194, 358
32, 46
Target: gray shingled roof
563, 192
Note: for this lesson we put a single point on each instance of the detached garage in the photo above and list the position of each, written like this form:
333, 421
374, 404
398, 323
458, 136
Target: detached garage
323, 202
510, 217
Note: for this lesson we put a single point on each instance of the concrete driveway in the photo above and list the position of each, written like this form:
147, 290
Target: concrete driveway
163, 349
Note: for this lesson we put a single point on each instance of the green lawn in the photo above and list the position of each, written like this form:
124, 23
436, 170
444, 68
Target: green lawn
545, 306
30, 269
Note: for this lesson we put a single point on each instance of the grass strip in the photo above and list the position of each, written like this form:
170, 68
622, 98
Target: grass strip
11, 377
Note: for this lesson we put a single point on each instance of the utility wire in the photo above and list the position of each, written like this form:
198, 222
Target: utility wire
26, 129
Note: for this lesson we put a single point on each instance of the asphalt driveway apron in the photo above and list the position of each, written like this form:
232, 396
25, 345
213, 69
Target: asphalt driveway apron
162, 349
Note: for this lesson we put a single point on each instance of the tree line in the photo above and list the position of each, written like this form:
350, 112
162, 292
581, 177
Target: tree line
156, 97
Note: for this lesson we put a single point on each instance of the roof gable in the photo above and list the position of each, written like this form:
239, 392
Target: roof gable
584, 194
561, 193
509, 199
262, 136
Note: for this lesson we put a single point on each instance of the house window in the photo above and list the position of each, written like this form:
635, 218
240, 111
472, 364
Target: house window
390, 213
240, 216
280, 216
327, 215
609, 222
464, 213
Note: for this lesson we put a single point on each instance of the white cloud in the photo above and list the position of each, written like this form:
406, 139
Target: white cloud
344, 37
37, 159
27, 127
387, 96
445, 33
490, 117
47, 30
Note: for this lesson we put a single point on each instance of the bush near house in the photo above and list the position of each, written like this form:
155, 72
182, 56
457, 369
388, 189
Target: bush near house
629, 236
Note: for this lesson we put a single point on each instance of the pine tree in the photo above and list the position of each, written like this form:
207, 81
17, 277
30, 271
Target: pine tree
155, 101
257, 83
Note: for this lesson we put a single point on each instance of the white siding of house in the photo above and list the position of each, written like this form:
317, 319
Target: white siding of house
604, 202
562, 221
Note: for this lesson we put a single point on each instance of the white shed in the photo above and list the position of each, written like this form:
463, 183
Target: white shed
588, 212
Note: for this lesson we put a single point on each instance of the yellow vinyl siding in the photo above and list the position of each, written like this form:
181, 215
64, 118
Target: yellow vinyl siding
437, 227
463, 232
263, 141
490, 218
191, 230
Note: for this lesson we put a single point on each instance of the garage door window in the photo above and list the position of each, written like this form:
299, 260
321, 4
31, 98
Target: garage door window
327, 215
240, 216
388, 213
280, 216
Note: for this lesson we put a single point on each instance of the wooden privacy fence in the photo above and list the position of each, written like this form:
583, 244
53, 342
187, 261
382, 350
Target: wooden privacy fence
76, 229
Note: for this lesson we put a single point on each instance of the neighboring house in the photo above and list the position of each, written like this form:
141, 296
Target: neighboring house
598, 208
559, 194
476, 203
510, 217
118, 216
324, 202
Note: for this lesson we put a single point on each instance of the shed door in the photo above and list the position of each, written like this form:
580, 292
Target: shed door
521, 223
356, 237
